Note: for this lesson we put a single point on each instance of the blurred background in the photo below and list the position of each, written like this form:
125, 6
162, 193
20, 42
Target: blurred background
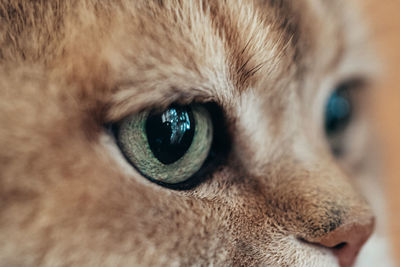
384, 20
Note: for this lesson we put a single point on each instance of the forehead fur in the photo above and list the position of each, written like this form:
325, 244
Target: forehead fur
236, 40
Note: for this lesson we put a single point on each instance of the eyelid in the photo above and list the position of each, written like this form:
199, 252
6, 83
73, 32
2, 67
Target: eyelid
128, 101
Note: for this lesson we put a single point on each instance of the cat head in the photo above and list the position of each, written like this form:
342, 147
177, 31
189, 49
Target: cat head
270, 98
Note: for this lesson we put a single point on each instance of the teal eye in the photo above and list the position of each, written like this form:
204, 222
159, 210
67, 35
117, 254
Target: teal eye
168, 146
338, 111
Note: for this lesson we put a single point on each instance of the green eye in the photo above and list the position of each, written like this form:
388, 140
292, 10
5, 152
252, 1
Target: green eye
168, 146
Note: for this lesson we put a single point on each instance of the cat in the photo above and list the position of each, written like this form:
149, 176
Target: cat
179, 133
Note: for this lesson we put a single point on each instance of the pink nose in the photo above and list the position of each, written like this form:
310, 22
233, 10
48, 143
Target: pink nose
347, 240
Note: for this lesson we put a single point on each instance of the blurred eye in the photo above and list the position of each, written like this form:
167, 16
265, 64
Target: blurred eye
338, 110
168, 146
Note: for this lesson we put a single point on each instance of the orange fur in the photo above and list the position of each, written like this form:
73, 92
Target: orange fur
67, 195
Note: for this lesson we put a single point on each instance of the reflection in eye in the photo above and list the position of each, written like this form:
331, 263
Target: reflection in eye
170, 134
178, 124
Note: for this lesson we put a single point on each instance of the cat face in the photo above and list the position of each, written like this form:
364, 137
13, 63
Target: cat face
183, 133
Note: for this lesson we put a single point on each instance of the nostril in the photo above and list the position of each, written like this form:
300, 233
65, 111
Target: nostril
336, 247
340, 246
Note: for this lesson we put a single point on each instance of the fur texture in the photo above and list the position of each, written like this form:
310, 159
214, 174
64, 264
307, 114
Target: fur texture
68, 197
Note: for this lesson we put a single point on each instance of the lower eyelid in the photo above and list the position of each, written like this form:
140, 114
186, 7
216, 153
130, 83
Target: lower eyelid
108, 144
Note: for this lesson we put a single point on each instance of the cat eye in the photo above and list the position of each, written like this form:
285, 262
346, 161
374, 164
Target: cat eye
168, 146
338, 110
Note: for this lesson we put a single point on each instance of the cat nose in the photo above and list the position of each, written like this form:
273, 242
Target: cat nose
347, 240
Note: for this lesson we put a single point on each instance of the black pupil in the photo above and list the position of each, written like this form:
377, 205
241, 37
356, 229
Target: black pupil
170, 133
338, 111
